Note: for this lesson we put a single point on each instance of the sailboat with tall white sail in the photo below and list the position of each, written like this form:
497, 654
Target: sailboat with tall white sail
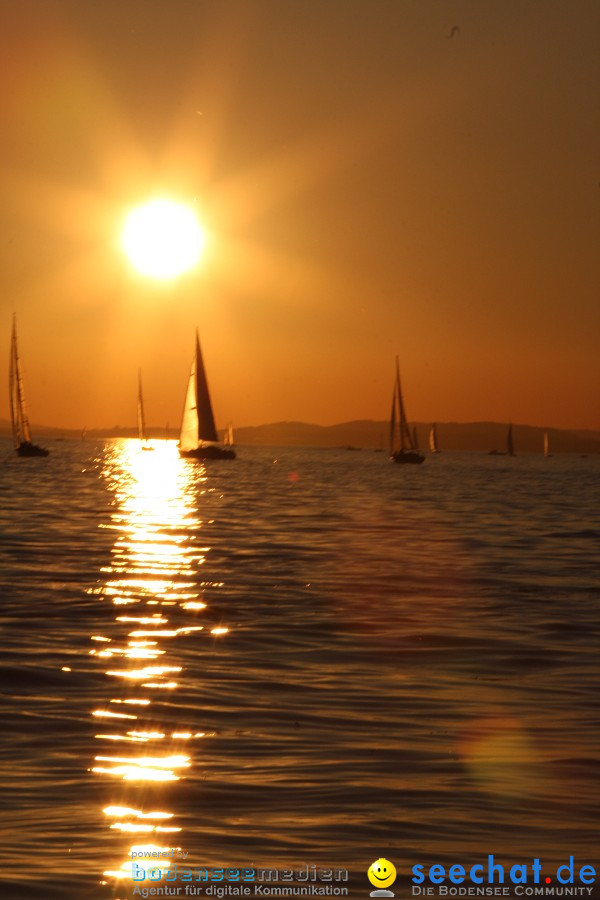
141, 417
403, 447
433, 444
198, 437
24, 446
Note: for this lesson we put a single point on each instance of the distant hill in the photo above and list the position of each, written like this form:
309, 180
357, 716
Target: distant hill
478, 436
481, 436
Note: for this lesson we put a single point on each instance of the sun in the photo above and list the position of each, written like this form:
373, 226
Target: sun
162, 238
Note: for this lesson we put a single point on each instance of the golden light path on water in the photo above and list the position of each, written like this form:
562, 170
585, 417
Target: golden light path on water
153, 583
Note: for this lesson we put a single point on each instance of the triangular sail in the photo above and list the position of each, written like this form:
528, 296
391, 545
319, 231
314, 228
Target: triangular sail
546, 444
206, 419
433, 447
18, 412
140, 411
406, 439
188, 439
198, 422
228, 436
393, 423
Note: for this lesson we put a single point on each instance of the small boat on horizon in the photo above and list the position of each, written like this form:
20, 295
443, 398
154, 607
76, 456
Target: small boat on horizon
510, 447
546, 445
140, 416
403, 447
198, 437
24, 446
228, 440
433, 444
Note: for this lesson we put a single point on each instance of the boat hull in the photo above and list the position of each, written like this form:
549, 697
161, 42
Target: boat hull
407, 456
209, 451
26, 448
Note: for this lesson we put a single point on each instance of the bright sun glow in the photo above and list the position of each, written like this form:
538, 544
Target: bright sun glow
162, 238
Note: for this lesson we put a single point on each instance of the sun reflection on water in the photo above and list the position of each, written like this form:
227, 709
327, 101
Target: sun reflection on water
156, 562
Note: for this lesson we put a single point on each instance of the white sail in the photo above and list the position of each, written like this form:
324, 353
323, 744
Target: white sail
546, 444
188, 438
433, 447
228, 436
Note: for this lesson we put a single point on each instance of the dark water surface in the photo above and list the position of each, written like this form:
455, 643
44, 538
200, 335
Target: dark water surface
303, 657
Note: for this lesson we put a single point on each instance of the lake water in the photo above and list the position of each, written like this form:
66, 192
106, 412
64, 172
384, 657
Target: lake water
304, 657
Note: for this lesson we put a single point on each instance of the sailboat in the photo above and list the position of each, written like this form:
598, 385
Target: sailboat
198, 438
510, 447
407, 451
433, 447
18, 412
228, 436
546, 445
140, 416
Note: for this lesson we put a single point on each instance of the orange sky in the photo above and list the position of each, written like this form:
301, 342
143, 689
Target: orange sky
371, 187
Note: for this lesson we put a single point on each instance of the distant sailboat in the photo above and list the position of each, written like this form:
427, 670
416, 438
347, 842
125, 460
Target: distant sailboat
18, 412
140, 416
403, 448
433, 446
198, 438
546, 445
228, 436
510, 447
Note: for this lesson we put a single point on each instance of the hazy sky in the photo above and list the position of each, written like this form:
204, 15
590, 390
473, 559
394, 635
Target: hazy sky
374, 182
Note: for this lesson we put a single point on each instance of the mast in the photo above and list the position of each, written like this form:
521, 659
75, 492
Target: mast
141, 419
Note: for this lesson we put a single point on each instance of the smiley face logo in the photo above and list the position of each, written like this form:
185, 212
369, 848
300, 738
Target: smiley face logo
381, 873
